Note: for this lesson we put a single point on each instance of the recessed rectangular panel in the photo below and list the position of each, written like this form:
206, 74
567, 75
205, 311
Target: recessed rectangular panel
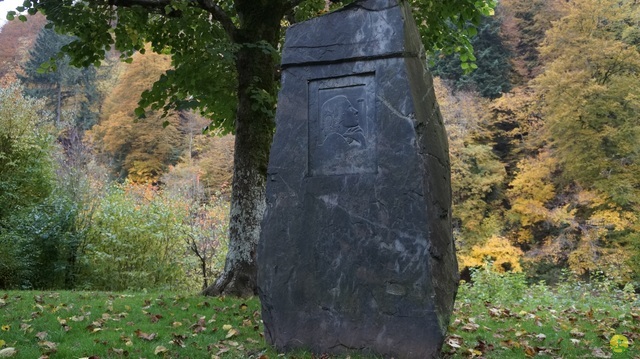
342, 126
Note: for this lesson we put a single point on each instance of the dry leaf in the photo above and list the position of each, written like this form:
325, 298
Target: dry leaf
8, 352
160, 349
470, 327
576, 333
599, 353
231, 333
575, 341
155, 318
145, 336
529, 351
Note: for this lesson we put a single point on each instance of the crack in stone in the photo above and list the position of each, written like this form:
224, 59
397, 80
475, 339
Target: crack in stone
410, 118
438, 159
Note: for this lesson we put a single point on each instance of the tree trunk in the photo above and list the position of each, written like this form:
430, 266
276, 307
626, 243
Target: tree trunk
254, 132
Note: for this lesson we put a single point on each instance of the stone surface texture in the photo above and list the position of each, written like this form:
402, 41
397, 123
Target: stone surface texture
356, 251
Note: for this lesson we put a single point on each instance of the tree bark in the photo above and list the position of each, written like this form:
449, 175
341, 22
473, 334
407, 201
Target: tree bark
260, 24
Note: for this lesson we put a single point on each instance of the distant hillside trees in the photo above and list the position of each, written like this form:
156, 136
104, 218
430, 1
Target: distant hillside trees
16, 37
141, 150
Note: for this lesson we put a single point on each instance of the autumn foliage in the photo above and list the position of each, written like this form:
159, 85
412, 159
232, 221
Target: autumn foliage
544, 155
563, 146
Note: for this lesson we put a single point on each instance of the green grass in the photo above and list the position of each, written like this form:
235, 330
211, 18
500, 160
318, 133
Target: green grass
499, 317
570, 321
67, 324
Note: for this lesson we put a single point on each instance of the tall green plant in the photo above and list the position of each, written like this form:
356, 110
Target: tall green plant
137, 241
25, 146
37, 223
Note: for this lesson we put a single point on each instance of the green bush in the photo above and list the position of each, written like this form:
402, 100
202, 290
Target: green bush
42, 243
137, 240
491, 286
36, 222
26, 144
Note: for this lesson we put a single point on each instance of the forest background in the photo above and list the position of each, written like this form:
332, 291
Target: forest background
544, 139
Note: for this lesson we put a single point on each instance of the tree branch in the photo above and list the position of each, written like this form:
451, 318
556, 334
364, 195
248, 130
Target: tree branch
220, 15
208, 5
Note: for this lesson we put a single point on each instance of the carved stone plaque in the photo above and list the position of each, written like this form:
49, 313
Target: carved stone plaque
342, 127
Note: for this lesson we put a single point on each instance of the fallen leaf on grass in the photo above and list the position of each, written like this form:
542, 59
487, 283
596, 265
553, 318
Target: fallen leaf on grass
8, 352
118, 352
470, 327
575, 341
474, 353
455, 341
599, 353
178, 340
231, 333
48, 345
510, 344
160, 349
529, 351
42, 335
145, 336
576, 333
2, 343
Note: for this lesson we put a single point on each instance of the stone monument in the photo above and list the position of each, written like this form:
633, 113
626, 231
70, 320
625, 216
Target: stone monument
356, 251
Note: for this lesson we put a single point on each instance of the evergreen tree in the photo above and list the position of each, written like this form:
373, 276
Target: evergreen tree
50, 76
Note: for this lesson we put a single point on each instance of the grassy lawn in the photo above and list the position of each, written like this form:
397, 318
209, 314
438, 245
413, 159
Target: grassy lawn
496, 318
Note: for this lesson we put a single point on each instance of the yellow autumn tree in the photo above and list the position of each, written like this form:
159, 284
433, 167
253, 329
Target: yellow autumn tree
139, 149
477, 175
589, 100
498, 252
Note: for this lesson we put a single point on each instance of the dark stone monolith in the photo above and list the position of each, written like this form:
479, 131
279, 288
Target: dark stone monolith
356, 251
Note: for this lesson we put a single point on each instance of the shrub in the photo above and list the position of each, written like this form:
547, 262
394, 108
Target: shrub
489, 285
137, 240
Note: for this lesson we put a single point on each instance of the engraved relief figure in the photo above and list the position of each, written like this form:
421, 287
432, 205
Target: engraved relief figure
340, 125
